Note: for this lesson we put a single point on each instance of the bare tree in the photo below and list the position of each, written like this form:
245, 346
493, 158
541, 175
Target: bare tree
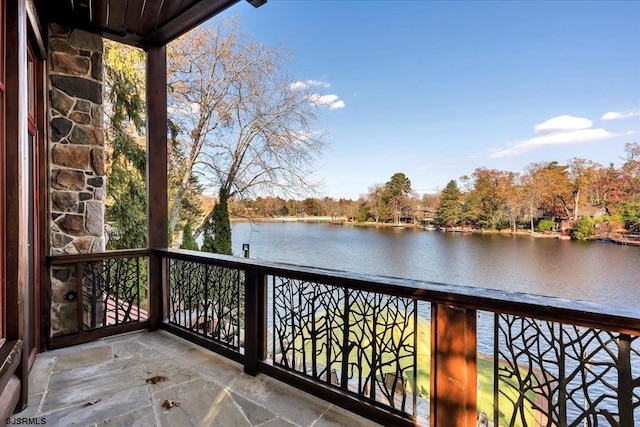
248, 128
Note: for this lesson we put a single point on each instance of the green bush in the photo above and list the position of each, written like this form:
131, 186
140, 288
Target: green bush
584, 228
545, 225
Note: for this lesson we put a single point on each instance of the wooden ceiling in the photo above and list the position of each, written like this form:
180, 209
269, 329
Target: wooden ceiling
137, 22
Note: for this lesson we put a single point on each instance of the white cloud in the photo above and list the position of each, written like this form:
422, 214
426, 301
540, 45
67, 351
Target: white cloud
612, 115
299, 85
560, 138
561, 130
563, 123
332, 101
318, 83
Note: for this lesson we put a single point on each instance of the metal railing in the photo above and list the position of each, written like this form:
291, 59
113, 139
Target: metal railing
406, 352
106, 291
558, 374
401, 352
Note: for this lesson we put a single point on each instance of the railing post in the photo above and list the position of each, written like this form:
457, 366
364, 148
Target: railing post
625, 381
453, 366
255, 321
157, 159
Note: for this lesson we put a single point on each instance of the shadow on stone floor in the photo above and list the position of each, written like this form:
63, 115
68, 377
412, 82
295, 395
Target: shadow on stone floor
107, 382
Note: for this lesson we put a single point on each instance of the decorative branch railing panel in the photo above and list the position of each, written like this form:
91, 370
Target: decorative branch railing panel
359, 341
208, 300
565, 375
108, 291
363, 343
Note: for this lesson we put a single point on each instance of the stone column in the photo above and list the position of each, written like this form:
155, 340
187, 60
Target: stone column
77, 173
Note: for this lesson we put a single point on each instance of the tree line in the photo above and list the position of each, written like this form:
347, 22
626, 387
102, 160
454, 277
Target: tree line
546, 195
560, 193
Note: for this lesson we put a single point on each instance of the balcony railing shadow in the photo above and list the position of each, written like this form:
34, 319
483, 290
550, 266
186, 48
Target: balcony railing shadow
401, 352
155, 378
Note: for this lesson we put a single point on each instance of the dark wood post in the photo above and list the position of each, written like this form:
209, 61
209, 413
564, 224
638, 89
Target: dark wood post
453, 366
157, 204
255, 321
625, 381
17, 188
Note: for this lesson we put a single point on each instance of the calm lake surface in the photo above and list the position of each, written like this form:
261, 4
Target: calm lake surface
594, 272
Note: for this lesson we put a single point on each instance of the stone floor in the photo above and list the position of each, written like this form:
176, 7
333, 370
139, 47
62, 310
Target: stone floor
126, 380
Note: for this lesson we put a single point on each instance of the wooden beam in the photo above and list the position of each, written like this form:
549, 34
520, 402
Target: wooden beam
187, 19
3, 164
37, 34
42, 225
157, 158
255, 345
17, 184
453, 366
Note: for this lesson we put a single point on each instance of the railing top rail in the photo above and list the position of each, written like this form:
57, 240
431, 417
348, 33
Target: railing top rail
96, 256
618, 318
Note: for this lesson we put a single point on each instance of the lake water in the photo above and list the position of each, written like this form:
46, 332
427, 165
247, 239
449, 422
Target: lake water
595, 272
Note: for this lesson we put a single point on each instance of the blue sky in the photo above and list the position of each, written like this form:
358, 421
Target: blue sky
436, 89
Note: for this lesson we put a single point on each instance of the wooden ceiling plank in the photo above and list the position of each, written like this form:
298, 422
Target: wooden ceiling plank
150, 15
133, 16
117, 12
136, 22
200, 11
100, 15
167, 12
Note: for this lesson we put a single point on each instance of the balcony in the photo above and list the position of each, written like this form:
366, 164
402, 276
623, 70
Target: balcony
400, 352
126, 380
397, 351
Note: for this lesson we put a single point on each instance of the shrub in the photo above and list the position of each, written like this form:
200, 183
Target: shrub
584, 228
545, 225
188, 242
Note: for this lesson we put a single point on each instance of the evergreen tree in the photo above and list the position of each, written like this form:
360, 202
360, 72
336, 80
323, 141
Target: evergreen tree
188, 242
383, 210
363, 212
222, 226
449, 212
396, 192
125, 154
217, 230
207, 241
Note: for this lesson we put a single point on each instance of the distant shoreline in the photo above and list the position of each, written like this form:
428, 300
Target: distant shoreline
344, 221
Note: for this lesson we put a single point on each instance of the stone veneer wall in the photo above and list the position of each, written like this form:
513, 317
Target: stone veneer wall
77, 173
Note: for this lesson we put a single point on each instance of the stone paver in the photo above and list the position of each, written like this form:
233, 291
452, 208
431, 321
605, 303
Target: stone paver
125, 381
